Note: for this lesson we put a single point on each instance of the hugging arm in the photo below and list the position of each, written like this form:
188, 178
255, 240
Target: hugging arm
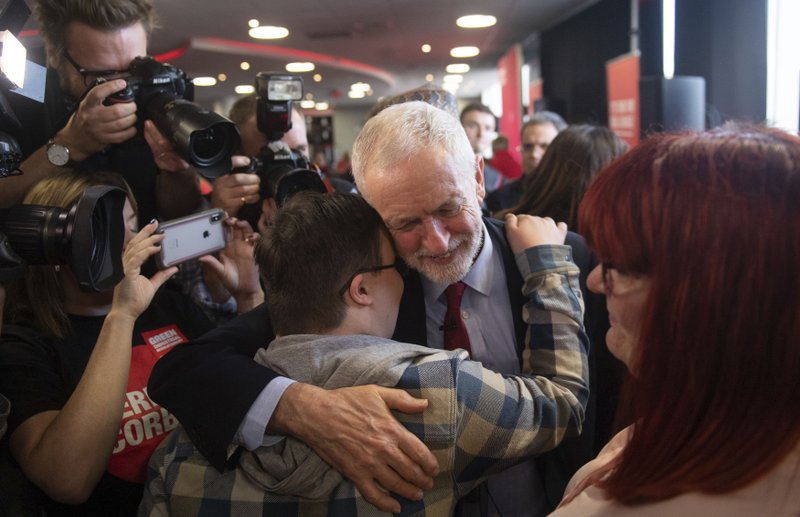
211, 384
539, 410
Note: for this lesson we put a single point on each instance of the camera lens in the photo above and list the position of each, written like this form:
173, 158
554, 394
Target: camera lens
38, 233
209, 145
87, 236
203, 138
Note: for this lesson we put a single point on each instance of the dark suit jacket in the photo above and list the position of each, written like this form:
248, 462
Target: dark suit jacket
211, 383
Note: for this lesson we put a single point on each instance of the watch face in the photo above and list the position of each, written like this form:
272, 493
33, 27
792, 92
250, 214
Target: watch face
58, 154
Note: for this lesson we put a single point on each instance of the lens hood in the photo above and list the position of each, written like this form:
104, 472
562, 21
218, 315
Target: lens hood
98, 233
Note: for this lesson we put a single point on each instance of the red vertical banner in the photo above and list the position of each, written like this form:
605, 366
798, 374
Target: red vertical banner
622, 85
536, 92
510, 69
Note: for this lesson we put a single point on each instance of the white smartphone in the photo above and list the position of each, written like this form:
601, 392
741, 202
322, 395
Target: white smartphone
192, 236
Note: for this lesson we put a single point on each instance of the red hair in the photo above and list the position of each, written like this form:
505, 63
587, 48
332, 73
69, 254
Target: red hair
713, 219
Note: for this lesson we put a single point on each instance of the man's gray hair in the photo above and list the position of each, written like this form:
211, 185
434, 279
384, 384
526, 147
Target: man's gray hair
397, 133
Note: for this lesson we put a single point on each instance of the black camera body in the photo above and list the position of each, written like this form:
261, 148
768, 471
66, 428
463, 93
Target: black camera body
283, 171
164, 94
147, 78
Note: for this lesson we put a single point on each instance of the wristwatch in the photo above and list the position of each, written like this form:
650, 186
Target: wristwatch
57, 154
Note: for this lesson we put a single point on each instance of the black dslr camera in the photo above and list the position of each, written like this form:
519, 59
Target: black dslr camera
164, 94
283, 171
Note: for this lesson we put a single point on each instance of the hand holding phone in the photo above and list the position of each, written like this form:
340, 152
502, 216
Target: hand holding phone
191, 237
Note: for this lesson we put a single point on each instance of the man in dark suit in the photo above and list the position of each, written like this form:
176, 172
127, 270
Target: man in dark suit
414, 165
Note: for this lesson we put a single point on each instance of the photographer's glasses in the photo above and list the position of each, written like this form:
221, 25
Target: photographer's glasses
89, 76
398, 264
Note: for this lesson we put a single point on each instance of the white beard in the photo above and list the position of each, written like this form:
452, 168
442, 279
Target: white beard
464, 248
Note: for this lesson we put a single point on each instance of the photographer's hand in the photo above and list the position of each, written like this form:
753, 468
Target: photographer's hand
232, 191
167, 159
94, 126
236, 268
178, 187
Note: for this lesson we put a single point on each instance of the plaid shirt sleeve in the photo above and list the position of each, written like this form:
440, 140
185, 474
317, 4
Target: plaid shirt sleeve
502, 419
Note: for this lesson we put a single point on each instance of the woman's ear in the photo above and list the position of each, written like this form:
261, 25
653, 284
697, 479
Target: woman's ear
359, 291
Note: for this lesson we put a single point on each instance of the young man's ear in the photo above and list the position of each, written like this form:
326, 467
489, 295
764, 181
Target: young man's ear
359, 291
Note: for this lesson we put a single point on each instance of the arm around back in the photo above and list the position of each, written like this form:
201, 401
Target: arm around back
210, 384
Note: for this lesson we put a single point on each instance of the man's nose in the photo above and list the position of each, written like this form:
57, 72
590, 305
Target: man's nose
436, 238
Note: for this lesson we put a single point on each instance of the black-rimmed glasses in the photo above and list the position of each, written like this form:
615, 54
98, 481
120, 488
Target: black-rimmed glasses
89, 76
398, 264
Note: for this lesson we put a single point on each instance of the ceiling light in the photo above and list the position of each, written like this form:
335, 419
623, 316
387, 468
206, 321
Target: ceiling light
300, 66
360, 87
268, 32
429, 77
453, 78
321, 106
308, 104
245, 89
476, 21
317, 78
309, 96
222, 77
457, 68
465, 52
356, 94
253, 23
450, 87
244, 65
426, 48
204, 81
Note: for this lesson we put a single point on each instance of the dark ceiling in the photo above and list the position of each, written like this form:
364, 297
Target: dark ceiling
370, 41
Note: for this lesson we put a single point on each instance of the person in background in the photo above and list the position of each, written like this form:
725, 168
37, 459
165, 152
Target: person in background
568, 166
480, 125
354, 272
232, 191
699, 234
535, 135
75, 366
503, 161
438, 97
86, 40
343, 165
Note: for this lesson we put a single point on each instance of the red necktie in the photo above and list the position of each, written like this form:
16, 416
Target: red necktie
455, 332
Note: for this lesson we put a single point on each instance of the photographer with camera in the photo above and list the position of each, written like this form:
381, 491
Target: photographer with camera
75, 365
86, 41
233, 191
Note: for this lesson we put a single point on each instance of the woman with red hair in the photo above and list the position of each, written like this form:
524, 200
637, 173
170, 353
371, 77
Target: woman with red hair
699, 235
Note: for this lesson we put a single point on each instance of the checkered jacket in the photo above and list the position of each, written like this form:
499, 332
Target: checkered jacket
477, 423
